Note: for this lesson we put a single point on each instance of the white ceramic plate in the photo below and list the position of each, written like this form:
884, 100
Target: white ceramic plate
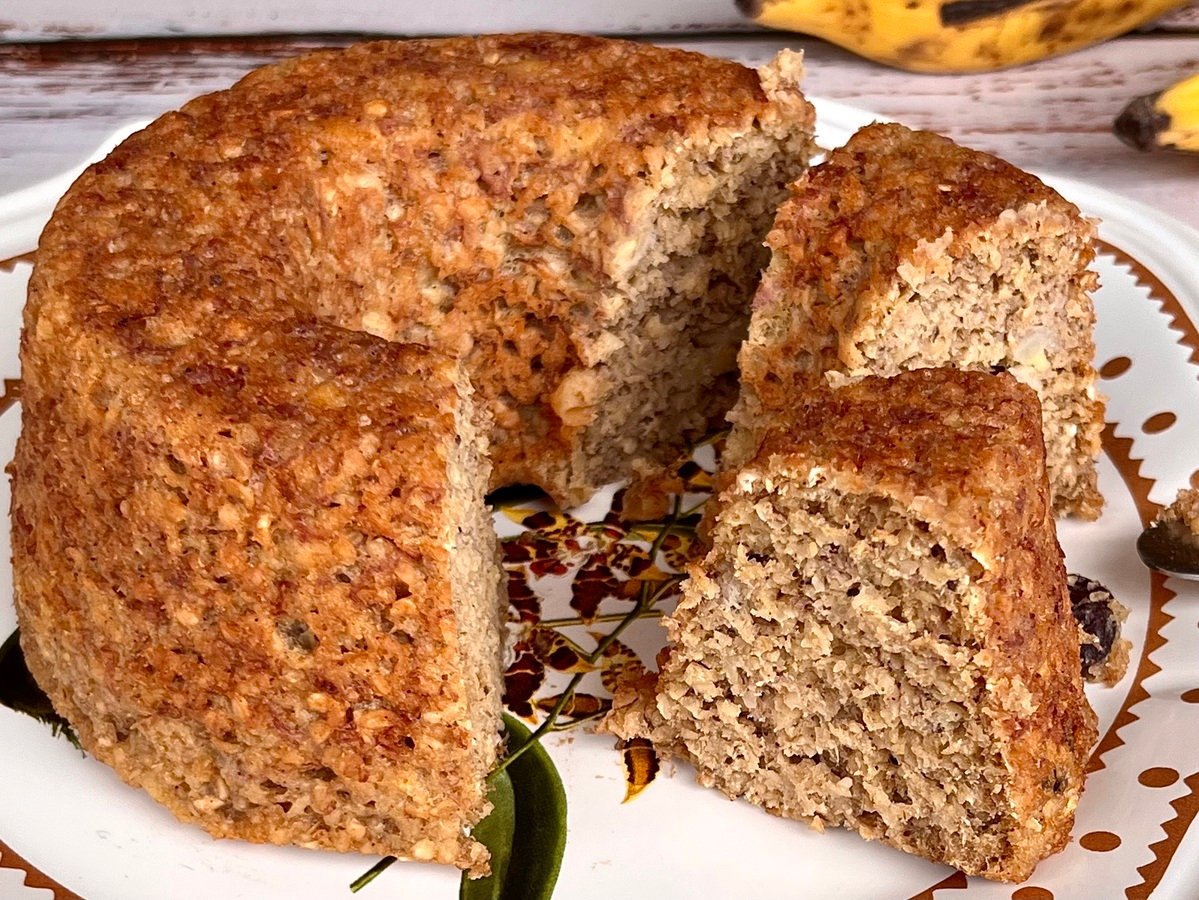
69, 825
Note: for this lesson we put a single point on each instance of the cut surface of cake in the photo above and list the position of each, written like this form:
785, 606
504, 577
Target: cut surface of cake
904, 250
880, 636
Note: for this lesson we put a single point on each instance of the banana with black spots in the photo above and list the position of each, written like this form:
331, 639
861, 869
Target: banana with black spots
957, 35
1166, 120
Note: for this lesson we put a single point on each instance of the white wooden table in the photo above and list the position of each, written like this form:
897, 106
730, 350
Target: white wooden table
59, 99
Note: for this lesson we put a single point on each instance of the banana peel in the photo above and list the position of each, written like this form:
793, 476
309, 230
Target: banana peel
958, 35
1165, 120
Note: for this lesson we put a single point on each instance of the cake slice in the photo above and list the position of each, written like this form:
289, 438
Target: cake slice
904, 250
880, 636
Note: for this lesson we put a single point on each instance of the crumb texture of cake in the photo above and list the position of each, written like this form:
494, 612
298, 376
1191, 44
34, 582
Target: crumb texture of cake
903, 250
253, 565
879, 636
1184, 509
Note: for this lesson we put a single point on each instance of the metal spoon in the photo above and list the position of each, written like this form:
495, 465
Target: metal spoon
1170, 547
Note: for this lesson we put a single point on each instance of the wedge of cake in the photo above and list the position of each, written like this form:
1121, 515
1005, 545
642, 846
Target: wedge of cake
904, 250
880, 636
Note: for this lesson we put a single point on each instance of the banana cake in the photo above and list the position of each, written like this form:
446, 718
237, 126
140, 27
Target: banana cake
904, 250
251, 560
879, 635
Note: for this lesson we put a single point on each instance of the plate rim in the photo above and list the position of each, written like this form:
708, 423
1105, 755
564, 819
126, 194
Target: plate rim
1155, 264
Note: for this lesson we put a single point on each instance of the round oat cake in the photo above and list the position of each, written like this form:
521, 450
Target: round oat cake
251, 558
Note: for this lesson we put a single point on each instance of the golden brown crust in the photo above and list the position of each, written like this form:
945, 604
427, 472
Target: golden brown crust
480, 195
964, 450
934, 439
243, 603
887, 190
904, 250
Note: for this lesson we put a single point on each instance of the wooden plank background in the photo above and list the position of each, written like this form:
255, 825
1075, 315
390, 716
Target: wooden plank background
58, 100
42, 20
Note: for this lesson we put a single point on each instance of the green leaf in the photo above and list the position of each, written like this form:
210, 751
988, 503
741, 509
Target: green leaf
538, 836
20, 692
495, 832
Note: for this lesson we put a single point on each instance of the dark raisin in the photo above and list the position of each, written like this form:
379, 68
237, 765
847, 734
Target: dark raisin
1092, 606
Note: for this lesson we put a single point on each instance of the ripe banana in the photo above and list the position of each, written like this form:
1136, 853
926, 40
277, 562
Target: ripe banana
957, 35
1167, 120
